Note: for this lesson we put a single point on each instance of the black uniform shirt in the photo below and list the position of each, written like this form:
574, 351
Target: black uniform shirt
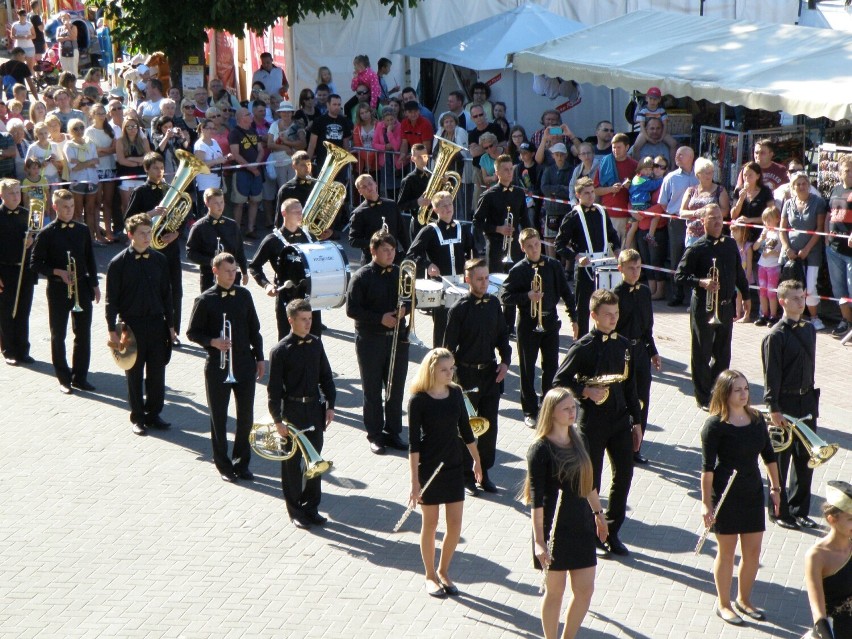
13, 228
698, 259
635, 314
572, 240
51, 248
373, 291
493, 207
270, 250
144, 199
204, 237
789, 354
295, 188
368, 218
411, 189
298, 367
554, 284
137, 286
447, 246
475, 328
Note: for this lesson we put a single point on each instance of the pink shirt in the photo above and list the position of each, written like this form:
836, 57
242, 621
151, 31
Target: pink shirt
382, 136
369, 78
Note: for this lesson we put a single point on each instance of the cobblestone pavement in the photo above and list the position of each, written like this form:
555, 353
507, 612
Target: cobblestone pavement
104, 534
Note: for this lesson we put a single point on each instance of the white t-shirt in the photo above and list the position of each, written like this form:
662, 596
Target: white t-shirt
281, 158
50, 171
211, 152
102, 140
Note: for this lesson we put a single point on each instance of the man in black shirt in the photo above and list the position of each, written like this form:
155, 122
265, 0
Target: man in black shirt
14, 224
711, 330
411, 191
138, 290
372, 301
481, 126
298, 372
247, 186
242, 354
213, 234
334, 128
789, 357
58, 243
17, 68
299, 187
375, 214
475, 330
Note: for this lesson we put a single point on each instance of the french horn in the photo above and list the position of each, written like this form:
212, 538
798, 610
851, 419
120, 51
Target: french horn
782, 437
267, 442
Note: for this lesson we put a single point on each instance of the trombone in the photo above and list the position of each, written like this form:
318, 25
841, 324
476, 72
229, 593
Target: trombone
226, 358
819, 451
34, 225
536, 308
267, 442
712, 304
73, 284
406, 292
479, 425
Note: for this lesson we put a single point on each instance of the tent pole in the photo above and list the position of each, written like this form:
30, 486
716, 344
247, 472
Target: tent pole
612, 106
515, 95
406, 18
722, 116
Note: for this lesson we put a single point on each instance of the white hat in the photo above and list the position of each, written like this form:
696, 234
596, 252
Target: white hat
142, 69
558, 148
285, 106
839, 495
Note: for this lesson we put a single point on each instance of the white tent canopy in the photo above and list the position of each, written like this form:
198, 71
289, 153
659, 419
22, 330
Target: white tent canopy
774, 67
485, 44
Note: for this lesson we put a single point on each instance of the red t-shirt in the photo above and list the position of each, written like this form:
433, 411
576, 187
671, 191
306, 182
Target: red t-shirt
616, 204
773, 176
420, 131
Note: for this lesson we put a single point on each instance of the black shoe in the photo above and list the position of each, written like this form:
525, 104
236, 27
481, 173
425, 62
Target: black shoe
440, 593
616, 546
251, 235
487, 485
231, 477
65, 389
638, 458
704, 407
176, 343
11, 361
736, 620
159, 423
752, 613
806, 522
675, 302
601, 549
316, 519
761, 321
245, 474
83, 385
787, 522
377, 448
451, 590
394, 441
470, 488
26, 359
139, 429
300, 521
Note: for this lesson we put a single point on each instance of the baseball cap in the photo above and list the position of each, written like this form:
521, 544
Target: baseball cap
526, 146
558, 148
654, 92
284, 106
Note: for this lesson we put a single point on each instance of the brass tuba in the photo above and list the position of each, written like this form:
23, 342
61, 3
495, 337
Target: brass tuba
267, 442
327, 195
442, 179
604, 381
177, 203
479, 425
781, 437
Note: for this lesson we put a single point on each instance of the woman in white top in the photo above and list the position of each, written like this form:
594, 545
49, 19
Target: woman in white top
47, 152
69, 53
284, 139
208, 151
83, 161
23, 34
101, 133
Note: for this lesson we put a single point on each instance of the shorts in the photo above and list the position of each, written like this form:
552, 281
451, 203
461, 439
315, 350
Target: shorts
129, 185
29, 52
247, 187
106, 174
84, 188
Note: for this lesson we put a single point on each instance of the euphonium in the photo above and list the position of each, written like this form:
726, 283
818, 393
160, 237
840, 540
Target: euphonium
536, 308
267, 442
819, 451
73, 284
479, 425
713, 296
34, 225
177, 203
604, 381
405, 294
327, 195
442, 179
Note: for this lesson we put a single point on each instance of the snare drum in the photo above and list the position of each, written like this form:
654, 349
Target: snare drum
326, 269
496, 282
607, 276
429, 294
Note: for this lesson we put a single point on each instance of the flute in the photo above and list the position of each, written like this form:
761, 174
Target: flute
411, 506
550, 543
706, 532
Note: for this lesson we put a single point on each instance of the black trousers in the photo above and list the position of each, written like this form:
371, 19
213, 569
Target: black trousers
496, 265
677, 239
59, 308
584, 286
303, 495
641, 361
530, 344
796, 499
486, 403
149, 371
218, 400
439, 325
176, 279
284, 325
711, 347
15, 332
374, 355
618, 444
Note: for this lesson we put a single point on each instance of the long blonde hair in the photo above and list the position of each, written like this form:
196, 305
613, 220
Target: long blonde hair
424, 379
576, 470
722, 392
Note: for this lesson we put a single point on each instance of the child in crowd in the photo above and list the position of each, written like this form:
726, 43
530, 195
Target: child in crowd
16, 109
740, 234
384, 74
769, 266
34, 186
641, 187
363, 74
324, 77
653, 110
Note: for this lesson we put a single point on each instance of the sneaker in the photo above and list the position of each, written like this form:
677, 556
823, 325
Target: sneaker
761, 321
841, 329
529, 421
817, 323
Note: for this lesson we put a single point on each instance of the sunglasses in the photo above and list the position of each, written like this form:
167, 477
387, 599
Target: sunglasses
477, 115
117, 108
488, 148
607, 130
309, 97
78, 128
661, 166
362, 92
132, 126
188, 107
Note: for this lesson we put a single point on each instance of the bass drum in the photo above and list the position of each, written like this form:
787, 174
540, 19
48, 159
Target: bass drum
324, 269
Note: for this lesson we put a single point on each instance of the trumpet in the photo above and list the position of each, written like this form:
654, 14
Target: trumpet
73, 284
34, 225
479, 425
507, 239
819, 451
605, 381
226, 358
406, 293
712, 304
385, 227
219, 247
536, 308
267, 442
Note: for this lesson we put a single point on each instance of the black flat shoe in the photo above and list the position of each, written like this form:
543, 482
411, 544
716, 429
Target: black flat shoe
83, 385
616, 546
26, 359
639, 458
487, 485
806, 522
752, 613
316, 519
11, 361
301, 522
159, 423
789, 524
395, 442
736, 620
377, 449
139, 429
470, 488
601, 550
245, 474
65, 389
440, 593
450, 589
231, 478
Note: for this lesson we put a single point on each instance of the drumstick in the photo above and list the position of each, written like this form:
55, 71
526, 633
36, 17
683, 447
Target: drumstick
706, 532
420, 496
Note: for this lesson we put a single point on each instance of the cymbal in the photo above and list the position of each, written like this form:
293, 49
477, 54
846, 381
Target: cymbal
124, 352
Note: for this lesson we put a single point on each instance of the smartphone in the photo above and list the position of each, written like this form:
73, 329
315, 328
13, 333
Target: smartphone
555, 130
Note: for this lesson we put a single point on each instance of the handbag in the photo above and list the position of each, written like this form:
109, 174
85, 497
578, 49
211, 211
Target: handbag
66, 49
793, 270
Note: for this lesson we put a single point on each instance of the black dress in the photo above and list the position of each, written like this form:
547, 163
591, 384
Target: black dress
726, 447
837, 589
574, 546
434, 427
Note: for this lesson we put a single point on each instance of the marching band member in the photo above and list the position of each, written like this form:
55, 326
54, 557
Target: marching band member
14, 224
372, 301
609, 415
298, 187
636, 323
711, 342
585, 233
733, 438
375, 214
138, 289
288, 284
436, 419
789, 358
213, 234
240, 348
58, 243
475, 329
146, 199
558, 459
440, 249
413, 187
518, 290
828, 567
298, 371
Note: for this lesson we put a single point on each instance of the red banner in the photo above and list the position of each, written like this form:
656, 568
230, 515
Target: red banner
224, 61
494, 80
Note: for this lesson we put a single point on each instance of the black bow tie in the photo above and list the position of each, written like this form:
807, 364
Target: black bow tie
387, 270
799, 324
68, 225
376, 203
537, 264
451, 225
633, 288
612, 335
146, 255
303, 182
230, 292
718, 240
219, 221
482, 299
158, 186
508, 188
305, 341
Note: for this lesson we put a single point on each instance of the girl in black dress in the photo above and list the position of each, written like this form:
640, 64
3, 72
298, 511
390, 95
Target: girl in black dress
558, 460
436, 419
733, 437
828, 567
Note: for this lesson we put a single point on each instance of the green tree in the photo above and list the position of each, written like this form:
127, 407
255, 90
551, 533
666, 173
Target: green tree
177, 28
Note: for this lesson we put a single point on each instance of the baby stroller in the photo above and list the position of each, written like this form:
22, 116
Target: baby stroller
46, 70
